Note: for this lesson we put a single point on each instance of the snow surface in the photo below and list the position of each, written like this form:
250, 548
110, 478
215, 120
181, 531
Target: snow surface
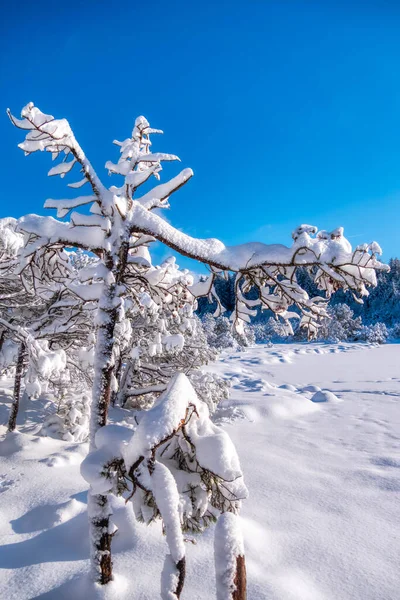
322, 519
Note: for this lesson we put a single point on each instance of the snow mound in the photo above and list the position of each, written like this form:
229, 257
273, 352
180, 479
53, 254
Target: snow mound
47, 515
288, 407
324, 396
13, 442
288, 386
60, 459
311, 388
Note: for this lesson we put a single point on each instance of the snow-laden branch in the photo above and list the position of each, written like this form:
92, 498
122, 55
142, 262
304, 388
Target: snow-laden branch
332, 255
52, 232
136, 164
271, 269
56, 136
65, 206
20, 332
160, 193
305, 251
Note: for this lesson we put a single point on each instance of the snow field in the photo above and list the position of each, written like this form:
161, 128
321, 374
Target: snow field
322, 520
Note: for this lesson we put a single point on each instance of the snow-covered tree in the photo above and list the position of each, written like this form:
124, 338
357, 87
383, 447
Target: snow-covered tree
178, 466
71, 422
340, 324
374, 334
120, 224
118, 279
39, 316
220, 335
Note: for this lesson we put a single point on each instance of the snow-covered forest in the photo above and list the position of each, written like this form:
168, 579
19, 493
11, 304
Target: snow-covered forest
180, 436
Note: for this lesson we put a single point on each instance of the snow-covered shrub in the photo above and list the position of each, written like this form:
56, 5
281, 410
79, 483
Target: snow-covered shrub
221, 335
166, 337
43, 364
218, 331
39, 315
210, 388
272, 330
341, 325
76, 418
71, 422
394, 332
374, 334
176, 466
246, 337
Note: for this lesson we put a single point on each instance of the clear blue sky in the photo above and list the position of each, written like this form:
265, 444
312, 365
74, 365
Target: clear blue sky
287, 111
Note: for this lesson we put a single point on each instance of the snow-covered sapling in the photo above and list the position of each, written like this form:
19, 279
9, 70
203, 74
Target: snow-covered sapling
177, 466
109, 232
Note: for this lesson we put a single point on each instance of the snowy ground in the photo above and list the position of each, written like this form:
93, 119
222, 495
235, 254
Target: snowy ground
322, 521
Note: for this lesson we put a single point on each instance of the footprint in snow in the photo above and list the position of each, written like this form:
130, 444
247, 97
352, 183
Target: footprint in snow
385, 461
5, 484
251, 361
61, 460
370, 479
251, 385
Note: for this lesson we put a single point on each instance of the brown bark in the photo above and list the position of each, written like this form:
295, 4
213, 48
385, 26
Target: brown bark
240, 579
181, 566
12, 423
101, 537
99, 512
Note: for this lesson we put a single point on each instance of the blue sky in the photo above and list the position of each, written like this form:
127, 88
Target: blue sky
287, 111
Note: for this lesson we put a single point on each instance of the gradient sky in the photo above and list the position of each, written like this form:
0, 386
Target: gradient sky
287, 111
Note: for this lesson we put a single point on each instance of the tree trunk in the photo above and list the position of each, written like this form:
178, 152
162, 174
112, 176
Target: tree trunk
12, 423
230, 563
2, 338
122, 396
99, 509
99, 512
103, 373
118, 372
181, 568
240, 579
103, 362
